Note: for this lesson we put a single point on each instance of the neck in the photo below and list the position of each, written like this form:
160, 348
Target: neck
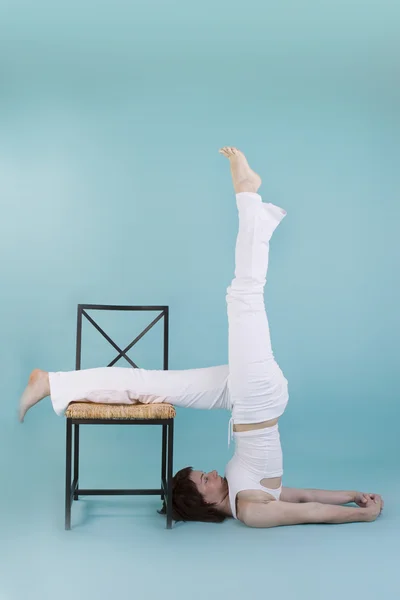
225, 505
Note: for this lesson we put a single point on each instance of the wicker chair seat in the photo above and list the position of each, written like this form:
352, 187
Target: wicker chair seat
93, 410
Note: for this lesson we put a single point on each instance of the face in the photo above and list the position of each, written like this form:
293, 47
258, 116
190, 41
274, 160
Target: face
211, 486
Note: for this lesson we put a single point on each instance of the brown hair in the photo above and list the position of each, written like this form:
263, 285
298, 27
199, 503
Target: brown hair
187, 502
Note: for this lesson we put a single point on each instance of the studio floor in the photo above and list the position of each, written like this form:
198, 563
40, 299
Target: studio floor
119, 547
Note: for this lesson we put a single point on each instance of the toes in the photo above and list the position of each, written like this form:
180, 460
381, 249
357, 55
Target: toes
229, 151
225, 151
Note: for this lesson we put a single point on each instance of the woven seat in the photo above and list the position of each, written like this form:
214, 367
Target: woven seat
93, 410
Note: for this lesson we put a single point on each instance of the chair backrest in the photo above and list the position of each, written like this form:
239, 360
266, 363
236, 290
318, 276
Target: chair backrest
82, 308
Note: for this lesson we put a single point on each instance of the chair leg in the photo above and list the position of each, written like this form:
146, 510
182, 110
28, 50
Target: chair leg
164, 458
169, 472
76, 460
68, 475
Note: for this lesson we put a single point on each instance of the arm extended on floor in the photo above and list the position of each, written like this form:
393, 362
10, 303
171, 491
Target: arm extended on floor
298, 495
278, 513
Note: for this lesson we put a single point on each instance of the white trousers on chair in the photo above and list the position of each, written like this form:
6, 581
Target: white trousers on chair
251, 385
191, 388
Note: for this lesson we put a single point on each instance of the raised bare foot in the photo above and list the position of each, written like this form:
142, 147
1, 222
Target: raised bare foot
244, 178
38, 388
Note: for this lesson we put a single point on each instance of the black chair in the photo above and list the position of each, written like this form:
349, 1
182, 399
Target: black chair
89, 413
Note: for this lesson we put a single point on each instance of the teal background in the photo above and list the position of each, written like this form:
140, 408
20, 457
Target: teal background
112, 191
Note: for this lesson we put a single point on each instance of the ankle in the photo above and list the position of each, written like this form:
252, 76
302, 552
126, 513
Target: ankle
246, 188
46, 380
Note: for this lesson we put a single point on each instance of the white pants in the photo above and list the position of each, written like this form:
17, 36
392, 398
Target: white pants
251, 385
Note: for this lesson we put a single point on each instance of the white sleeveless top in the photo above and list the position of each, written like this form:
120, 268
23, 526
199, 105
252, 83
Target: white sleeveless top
258, 455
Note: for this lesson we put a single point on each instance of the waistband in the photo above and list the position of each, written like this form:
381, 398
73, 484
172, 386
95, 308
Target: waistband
249, 433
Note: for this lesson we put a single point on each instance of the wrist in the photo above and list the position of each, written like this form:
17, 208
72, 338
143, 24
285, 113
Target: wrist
365, 514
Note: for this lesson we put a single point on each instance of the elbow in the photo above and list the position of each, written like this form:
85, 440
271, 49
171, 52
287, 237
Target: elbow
307, 496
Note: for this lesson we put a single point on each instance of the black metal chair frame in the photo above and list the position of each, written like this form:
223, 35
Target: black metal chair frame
72, 490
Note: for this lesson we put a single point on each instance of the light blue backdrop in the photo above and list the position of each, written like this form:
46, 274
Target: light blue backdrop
112, 191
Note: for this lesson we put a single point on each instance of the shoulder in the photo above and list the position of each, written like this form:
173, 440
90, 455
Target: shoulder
242, 509
247, 503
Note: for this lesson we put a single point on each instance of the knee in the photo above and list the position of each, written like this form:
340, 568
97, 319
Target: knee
245, 285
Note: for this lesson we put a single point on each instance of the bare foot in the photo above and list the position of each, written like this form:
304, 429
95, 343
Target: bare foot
244, 178
38, 388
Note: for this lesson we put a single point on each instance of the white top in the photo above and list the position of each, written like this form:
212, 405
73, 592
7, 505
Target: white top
258, 455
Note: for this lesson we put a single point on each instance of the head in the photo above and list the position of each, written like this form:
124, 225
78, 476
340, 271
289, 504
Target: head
199, 496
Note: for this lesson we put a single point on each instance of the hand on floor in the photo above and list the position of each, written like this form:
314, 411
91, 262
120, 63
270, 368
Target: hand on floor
362, 499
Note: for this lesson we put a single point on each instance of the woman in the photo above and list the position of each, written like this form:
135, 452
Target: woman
252, 386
